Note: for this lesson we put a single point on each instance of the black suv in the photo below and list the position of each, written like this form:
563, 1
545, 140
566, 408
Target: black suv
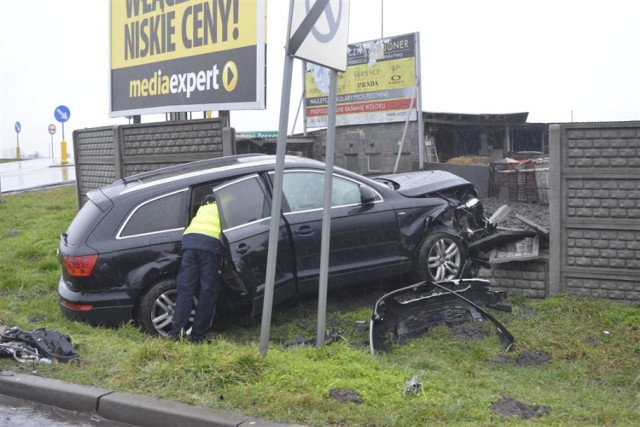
121, 253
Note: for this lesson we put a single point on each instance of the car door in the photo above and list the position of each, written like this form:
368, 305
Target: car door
245, 215
364, 239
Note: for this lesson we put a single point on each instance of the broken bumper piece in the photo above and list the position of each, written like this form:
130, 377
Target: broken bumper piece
410, 312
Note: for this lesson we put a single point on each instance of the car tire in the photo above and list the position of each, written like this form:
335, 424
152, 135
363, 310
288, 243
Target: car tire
155, 309
440, 256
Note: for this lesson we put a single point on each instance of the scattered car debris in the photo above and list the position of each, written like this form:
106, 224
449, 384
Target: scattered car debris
22, 353
509, 407
412, 386
37, 346
411, 311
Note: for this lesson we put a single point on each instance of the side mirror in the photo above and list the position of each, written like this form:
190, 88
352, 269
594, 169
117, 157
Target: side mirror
367, 195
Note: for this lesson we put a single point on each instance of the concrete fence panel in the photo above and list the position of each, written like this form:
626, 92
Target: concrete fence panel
594, 200
106, 154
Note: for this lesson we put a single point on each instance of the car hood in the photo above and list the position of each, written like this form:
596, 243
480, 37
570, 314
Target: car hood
414, 184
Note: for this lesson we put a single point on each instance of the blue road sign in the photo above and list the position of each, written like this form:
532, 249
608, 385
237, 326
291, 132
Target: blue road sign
62, 113
18, 127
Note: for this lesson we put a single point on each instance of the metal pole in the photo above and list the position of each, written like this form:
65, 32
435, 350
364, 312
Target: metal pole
419, 105
304, 92
295, 120
274, 225
381, 19
63, 148
404, 131
326, 213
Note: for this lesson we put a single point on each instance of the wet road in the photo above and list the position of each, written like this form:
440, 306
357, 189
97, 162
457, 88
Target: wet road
29, 174
17, 412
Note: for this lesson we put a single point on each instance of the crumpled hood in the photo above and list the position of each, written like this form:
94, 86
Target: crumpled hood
413, 184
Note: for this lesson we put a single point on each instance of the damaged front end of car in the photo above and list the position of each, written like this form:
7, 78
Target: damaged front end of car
412, 311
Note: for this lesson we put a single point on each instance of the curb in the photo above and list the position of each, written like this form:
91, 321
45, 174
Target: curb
129, 408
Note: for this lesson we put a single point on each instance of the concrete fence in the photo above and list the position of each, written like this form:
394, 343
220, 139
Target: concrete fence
595, 210
106, 154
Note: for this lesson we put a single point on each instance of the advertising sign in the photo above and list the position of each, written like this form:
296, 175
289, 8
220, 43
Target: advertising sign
377, 87
187, 55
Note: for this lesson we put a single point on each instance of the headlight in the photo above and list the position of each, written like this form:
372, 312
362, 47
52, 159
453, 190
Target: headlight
469, 203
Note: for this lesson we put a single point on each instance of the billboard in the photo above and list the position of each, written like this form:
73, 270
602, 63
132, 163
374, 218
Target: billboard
187, 55
377, 87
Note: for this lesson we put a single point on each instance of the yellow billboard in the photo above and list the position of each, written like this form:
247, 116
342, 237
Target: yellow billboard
378, 85
187, 55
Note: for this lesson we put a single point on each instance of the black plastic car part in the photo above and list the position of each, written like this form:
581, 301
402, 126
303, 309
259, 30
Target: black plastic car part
412, 311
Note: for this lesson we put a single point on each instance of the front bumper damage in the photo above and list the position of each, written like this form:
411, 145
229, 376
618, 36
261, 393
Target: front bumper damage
411, 311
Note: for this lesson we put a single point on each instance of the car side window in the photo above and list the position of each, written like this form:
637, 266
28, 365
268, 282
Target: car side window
241, 202
162, 213
304, 190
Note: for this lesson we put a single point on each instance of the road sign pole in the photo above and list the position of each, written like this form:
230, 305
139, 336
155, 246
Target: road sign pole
63, 148
62, 114
18, 128
274, 225
63, 152
276, 203
326, 210
52, 131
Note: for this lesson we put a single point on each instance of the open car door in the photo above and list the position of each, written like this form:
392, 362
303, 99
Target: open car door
245, 215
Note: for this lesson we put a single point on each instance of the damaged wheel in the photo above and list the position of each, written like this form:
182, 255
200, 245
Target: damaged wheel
441, 256
156, 306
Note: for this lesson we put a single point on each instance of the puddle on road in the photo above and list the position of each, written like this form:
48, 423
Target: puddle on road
17, 412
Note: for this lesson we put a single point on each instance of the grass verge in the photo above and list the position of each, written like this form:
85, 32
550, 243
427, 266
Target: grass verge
591, 378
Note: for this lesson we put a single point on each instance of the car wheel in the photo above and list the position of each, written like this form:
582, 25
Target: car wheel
155, 310
441, 256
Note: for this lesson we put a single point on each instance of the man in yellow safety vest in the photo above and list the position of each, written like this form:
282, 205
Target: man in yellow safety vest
199, 273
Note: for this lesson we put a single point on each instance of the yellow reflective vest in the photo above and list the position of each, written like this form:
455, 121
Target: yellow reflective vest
206, 221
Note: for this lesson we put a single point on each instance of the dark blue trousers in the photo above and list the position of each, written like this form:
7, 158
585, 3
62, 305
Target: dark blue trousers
198, 276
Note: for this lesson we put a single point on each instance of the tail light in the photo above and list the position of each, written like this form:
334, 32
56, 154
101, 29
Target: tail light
79, 266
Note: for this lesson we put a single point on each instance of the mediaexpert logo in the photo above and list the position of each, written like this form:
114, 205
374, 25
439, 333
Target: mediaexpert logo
187, 83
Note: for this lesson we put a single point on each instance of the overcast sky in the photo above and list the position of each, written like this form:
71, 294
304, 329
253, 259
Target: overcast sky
559, 60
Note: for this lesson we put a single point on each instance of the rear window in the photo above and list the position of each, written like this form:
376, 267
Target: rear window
164, 213
84, 221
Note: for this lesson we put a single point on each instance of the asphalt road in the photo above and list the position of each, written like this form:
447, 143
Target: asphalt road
20, 412
35, 173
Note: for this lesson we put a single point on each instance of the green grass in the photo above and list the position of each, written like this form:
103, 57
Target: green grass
592, 378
